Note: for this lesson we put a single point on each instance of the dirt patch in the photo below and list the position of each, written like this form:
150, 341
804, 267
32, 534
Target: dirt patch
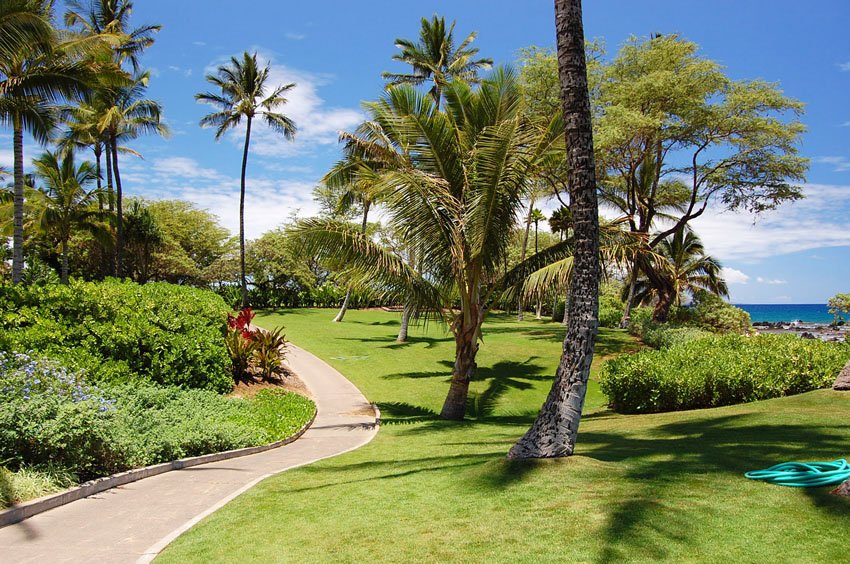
290, 382
365, 410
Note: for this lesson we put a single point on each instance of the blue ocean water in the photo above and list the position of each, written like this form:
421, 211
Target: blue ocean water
809, 313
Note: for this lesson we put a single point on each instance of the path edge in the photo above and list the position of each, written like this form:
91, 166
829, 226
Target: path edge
27, 509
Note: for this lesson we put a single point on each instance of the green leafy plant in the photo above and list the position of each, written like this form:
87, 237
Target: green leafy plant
269, 353
241, 350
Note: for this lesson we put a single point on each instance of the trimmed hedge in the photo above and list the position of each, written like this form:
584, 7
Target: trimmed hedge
121, 331
720, 370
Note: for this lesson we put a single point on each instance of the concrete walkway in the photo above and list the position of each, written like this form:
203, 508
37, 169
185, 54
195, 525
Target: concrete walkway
134, 522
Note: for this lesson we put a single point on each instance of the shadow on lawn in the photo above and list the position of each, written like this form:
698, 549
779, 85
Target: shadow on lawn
663, 468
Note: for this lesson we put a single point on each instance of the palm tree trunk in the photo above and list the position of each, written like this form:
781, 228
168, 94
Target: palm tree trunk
110, 195
555, 430
627, 307
64, 278
466, 349
521, 300
119, 205
98, 149
405, 323
344, 307
18, 219
242, 278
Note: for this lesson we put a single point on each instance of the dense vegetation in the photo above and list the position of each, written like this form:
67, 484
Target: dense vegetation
121, 331
717, 371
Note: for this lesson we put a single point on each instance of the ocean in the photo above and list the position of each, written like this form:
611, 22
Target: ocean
809, 313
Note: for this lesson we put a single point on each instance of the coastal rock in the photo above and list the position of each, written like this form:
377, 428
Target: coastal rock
807, 335
842, 383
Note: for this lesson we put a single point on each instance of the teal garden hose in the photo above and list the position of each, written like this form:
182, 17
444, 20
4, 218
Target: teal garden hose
804, 474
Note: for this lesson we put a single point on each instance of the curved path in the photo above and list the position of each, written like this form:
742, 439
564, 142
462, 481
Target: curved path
134, 522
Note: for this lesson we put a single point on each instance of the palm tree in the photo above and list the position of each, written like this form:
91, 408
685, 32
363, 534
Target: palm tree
243, 95
65, 204
436, 58
467, 174
35, 75
554, 431
684, 270
128, 116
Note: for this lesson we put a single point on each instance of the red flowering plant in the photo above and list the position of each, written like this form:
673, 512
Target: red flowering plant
251, 350
241, 322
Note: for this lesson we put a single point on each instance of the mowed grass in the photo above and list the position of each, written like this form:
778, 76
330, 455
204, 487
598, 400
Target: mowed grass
642, 488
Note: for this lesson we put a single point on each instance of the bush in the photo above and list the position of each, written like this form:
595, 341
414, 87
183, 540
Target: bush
120, 331
610, 305
660, 336
30, 483
48, 415
720, 370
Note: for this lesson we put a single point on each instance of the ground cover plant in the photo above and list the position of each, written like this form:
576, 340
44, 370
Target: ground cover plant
50, 418
720, 370
640, 488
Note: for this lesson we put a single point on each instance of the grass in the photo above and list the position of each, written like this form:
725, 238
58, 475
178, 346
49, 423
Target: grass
649, 487
30, 483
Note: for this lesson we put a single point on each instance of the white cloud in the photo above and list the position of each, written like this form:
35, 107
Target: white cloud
294, 36
184, 71
817, 221
199, 43
841, 164
734, 276
761, 280
317, 123
844, 66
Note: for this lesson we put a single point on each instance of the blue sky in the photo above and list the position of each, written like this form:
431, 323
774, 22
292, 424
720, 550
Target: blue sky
335, 52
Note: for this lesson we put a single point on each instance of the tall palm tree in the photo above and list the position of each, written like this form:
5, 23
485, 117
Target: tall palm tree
65, 204
435, 58
243, 85
684, 270
128, 116
464, 185
554, 432
35, 75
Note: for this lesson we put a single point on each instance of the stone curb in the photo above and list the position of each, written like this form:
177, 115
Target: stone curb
18, 513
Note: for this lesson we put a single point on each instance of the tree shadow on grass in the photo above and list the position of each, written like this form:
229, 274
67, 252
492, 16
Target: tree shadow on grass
390, 342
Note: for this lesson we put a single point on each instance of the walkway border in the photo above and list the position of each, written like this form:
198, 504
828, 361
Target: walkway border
19, 512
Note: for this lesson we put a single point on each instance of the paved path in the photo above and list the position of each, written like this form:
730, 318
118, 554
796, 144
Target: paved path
134, 522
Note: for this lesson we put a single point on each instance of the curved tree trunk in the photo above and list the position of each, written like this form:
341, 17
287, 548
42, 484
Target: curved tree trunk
627, 307
242, 278
555, 430
344, 307
405, 323
18, 219
119, 205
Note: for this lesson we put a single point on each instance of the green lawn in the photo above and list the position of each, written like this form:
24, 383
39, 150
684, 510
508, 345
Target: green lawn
647, 487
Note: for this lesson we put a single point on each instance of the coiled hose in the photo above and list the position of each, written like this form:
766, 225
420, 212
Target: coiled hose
804, 474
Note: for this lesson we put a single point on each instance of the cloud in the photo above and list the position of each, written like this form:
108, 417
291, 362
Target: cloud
817, 221
184, 71
318, 124
199, 43
294, 36
841, 164
844, 66
734, 276
761, 280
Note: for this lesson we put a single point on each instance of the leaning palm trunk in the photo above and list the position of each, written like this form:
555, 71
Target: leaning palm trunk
555, 430
405, 323
521, 300
344, 307
18, 220
627, 308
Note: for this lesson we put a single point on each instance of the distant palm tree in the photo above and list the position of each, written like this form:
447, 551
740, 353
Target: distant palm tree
436, 58
35, 75
127, 116
684, 271
243, 95
65, 204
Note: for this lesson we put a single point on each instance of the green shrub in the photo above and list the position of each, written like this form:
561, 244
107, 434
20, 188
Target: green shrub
711, 312
720, 370
610, 305
120, 331
30, 483
50, 416
661, 336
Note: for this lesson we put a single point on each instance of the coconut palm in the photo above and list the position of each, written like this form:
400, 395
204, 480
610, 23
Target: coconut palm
243, 85
435, 58
127, 115
684, 271
468, 173
556, 427
99, 17
35, 76
64, 204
